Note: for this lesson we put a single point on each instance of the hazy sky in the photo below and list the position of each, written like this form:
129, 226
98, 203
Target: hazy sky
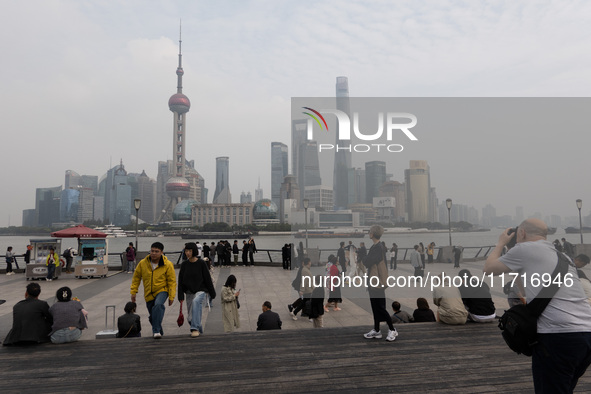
86, 83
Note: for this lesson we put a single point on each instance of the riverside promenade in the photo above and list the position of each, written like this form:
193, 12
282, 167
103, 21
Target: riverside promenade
424, 357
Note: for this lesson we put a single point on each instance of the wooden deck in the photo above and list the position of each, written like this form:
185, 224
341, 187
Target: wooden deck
425, 357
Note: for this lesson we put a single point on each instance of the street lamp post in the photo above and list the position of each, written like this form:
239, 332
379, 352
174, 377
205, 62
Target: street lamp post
137, 203
579, 206
306, 204
448, 203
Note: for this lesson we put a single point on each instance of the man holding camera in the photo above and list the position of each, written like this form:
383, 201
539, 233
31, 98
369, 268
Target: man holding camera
563, 352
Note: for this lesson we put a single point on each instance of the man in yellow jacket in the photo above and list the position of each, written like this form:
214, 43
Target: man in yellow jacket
159, 278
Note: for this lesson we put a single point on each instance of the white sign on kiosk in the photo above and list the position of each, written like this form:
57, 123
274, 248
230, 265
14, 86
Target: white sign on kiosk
92, 259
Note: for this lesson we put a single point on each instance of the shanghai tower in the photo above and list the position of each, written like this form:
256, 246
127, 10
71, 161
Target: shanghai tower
342, 158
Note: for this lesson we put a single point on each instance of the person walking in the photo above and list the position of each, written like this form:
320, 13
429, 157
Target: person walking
159, 280
196, 284
305, 287
130, 257
334, 297
376, 266
230, 305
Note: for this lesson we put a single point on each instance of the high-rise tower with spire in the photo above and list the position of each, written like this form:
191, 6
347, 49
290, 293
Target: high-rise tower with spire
177, 187
342, 159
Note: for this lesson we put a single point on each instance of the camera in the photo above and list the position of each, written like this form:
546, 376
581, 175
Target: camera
513, 240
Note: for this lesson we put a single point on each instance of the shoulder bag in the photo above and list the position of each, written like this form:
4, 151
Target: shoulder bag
519, 325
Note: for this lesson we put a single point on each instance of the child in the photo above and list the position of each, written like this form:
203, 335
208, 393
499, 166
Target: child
129, 324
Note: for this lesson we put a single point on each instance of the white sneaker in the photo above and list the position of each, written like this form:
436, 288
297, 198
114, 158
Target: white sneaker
373, 334
157, 335
392, 335
294, 317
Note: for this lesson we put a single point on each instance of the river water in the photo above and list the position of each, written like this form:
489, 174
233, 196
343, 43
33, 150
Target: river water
403, 240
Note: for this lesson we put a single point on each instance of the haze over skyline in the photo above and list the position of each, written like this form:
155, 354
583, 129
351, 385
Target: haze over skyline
86, 84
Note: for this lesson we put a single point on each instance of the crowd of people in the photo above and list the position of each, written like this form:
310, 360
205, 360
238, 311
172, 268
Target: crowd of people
564, 328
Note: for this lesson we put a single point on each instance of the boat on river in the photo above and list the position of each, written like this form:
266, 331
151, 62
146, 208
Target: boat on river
329, 234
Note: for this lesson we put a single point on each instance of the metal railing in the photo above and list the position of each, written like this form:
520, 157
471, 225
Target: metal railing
273, 257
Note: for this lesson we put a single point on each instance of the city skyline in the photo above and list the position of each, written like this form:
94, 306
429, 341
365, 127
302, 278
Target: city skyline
88, 101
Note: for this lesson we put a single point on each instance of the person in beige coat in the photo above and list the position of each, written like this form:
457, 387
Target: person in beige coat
451, 308
230, 315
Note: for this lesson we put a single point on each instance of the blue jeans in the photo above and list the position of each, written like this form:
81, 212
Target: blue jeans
66, 335
156, 310
559, 360
50, 271
196, 311
130, 265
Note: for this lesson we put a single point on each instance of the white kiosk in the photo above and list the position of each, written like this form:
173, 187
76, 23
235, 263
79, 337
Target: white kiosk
37, 268
93, 251
93, 257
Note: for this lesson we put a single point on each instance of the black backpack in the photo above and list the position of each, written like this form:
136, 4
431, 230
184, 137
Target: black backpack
519, 325
67, 253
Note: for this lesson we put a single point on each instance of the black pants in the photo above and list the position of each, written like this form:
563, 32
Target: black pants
377, 299
251, 255
392, 263
244, 258
301, 305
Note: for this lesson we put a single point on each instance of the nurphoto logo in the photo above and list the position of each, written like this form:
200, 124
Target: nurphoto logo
393, 129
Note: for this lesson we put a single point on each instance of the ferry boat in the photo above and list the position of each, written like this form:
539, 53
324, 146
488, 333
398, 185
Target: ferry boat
329, 234
215, 235
112, 231
576, 230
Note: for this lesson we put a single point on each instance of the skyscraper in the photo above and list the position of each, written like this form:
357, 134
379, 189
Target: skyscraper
47, 206
289, 191
258, 193
418, 188
279, 162
177, 187
222, 181
309, 170
398, 191
298, 137
375, 176
356, 186
342, 158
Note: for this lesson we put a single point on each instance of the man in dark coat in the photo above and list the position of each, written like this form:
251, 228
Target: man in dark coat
31, 321
268, 320
342, 258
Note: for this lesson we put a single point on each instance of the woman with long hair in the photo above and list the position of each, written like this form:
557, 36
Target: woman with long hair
230, 315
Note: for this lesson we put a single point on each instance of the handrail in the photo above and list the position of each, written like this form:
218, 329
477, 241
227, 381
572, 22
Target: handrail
275, 255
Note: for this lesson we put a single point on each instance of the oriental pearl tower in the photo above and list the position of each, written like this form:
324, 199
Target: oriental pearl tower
177, 187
